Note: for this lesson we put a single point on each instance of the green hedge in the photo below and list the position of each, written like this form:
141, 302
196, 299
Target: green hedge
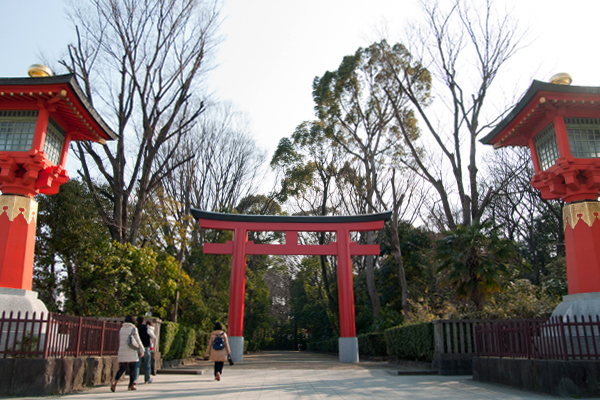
407, 342
177, 341
324, 346
188, 339
168, 330
411, 342
201, 343
252, 345
372, 344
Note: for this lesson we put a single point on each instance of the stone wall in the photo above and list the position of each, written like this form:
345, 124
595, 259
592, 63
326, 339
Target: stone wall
54, 376
453, 364
557, 378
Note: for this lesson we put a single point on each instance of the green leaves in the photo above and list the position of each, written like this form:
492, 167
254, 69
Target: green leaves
69, 234
475, 260
74, 257
125, 279
309, 307
411, 341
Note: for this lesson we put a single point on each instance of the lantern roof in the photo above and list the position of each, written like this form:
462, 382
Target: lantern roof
529, 116
63, 93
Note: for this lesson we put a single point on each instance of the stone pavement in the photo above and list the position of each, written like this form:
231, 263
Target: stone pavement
293, 375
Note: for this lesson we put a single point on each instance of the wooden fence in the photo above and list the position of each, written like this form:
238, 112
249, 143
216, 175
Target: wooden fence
454, 346
557, 338
55, 335
455, 337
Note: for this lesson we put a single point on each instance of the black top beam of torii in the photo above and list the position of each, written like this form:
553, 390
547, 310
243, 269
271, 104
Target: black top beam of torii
291, 225
328, 219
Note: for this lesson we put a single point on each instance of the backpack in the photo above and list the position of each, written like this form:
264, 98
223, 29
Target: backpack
219, 343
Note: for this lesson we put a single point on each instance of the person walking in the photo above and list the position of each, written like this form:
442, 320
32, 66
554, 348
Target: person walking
150, 328
145, 335
218, 349
130, 348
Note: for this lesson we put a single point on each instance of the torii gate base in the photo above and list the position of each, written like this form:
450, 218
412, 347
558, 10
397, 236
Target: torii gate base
240, 247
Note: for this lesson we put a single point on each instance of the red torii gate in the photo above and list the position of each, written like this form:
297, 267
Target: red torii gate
240, 247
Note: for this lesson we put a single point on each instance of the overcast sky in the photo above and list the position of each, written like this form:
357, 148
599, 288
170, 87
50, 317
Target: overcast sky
273, 49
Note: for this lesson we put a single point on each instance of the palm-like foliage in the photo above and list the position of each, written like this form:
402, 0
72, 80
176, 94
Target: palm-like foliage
475, 259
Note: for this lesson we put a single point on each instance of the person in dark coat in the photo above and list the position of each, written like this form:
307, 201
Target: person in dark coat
127, 356
145, 336
218, 356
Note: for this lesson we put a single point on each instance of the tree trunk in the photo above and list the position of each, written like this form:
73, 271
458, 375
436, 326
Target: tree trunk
397, 252
176, 305
370, 270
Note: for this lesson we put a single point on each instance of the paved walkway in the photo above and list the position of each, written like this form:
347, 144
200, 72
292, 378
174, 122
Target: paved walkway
288, 375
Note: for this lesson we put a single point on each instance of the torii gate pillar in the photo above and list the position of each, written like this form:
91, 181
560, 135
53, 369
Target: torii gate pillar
240, 247
237, 294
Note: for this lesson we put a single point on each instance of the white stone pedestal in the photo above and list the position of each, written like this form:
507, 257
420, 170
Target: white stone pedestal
579, 305
348, 347
236, 345
20, 301
16, 300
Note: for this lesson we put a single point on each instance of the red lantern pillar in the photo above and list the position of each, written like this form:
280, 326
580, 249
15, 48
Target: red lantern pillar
38, 118
582, 241
18, 216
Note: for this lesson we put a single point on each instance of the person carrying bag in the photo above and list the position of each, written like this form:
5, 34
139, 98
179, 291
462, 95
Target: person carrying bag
218, 350
130, 349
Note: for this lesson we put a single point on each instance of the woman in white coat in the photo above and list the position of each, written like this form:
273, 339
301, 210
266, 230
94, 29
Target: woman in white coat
128, 356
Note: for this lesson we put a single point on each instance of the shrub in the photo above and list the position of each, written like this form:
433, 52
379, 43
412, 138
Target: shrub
201, 343
188, 342
324, 346
168, 330
178, 341
252, 345
521, 299
411, 342
372, 344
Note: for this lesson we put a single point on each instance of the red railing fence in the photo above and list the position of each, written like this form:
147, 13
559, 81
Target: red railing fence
54, 335
558, 338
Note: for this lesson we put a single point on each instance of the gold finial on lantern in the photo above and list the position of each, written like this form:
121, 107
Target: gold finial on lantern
39, 71
562, 78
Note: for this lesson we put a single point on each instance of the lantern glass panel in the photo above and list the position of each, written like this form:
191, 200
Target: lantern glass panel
546, 147
584, 137
55, 139
17, 129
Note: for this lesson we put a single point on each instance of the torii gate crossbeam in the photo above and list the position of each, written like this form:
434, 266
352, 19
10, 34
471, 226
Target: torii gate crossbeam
240, 247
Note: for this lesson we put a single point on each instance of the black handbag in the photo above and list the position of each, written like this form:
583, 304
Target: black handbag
229, 359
